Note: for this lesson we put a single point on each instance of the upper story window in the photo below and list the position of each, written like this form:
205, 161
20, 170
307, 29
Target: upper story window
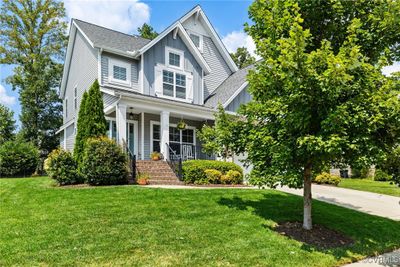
174, 84
174, 58
119, 72
197, 40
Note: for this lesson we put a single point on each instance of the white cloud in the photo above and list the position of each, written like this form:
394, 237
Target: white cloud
392, 68
4, 98
121, 15
237, 39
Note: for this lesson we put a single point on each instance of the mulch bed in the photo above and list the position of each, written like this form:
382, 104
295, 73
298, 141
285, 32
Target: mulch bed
218, 185
319, 236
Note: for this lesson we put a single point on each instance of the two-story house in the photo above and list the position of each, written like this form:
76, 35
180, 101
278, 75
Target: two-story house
149, 86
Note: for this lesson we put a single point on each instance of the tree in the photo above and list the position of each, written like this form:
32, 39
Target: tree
217, 139
146, 31
7, 124
91, 120
81, 129
242, 57
314, 104
32, 38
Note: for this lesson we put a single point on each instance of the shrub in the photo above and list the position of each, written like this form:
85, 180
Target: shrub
18, 158
194, 170
213, 176
359, 173
326, 178
104, 162
382, 176
61, 166
235, 177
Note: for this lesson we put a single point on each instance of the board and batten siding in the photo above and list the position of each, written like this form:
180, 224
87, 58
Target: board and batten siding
105, 58
219, 68
242, 98
81, 74
156, 55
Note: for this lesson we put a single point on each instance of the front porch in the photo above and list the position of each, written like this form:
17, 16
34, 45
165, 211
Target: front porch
148, 129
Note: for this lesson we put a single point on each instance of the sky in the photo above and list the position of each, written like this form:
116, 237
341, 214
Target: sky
227, 18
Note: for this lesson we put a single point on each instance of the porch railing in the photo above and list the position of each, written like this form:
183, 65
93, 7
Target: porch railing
175, 162
189, 151
131, 161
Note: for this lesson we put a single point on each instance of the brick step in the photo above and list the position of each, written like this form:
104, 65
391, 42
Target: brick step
154, 169
162, 182
161, 175
164, 178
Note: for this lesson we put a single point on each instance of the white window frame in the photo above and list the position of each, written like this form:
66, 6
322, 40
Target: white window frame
135, 130
75, 97
152, 123
174, 85
177, 52
114, 62
66, 107
200, 39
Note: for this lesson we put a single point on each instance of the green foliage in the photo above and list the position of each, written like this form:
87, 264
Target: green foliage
391, 164
7, 124
33, 41
242, 57
326, 178
104, 162
96, 124
359, 172
232, 177
18, 158
381, 175
61, 166
81, 135
213, 176
146, 31
218, 139
194, 170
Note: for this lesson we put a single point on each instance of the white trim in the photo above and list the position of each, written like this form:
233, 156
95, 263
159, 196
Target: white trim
65, 111
200, 38
122, 64
141, 74
84, 35
235, 94
142, 134
99, 78
135, 132
68, 123
178, 52
202, 88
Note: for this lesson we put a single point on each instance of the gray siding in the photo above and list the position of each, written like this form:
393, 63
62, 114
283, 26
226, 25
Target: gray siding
242, 98
219, 69
109, 100
70, 137
156, 55
105, 57
82, 73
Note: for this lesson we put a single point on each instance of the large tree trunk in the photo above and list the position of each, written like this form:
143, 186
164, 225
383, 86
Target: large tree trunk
307, 198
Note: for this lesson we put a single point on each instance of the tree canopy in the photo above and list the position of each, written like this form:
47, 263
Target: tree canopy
7, 124
146, 31
317, 101
33, 40
242, 57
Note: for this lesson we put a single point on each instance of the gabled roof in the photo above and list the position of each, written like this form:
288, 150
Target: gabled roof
106, 38
229, 88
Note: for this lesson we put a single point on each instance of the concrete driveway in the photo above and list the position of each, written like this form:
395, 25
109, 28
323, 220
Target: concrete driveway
372, 203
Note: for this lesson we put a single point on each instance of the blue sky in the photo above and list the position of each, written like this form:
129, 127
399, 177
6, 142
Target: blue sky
227, 17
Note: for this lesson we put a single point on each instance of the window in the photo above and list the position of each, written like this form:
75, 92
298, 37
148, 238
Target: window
156, 137
197, 40
177, 137
174, 58
119, 72
174, 84
75, 98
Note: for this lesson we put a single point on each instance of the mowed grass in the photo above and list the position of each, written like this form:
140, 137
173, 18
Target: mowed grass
370, 185
128, 225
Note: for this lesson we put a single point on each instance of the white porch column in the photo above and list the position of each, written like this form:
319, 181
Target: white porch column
121, 123
164, 132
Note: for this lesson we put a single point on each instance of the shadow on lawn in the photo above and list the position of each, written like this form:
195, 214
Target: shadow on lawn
372, 234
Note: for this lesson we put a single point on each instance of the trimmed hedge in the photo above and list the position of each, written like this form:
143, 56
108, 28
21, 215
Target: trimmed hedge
18, 158
382, 176
61, 166
104, 162
194, 171
326, 178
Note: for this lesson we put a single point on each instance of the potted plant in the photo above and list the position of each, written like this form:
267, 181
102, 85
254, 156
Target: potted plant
155, 155
143, 179
181, 125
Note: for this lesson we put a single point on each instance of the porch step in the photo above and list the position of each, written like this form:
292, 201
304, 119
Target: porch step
159, 172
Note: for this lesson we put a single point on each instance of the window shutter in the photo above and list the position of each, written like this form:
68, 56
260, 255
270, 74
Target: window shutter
189, 85
158, 81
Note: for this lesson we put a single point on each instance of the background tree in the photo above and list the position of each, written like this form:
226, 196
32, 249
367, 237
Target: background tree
217, 139
81, 129
146, 31
242, 57
7, 124
315, 104
32, 38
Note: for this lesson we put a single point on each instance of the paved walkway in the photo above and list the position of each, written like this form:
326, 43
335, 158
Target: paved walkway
372, 203
387, 259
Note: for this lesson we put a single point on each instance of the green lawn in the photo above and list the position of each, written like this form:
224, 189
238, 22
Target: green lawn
371, 186
130, 225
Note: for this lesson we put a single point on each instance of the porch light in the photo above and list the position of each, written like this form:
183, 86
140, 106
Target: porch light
181, 125
130, 116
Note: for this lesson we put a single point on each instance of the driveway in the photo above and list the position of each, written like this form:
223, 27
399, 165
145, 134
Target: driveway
372, 203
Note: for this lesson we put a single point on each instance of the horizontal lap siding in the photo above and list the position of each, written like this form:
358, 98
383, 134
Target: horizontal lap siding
219, 69
242, 98
70, 137
109, 100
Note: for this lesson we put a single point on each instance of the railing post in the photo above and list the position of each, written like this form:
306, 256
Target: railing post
180, 168
134, 167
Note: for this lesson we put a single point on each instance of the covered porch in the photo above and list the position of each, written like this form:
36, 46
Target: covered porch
153, 127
